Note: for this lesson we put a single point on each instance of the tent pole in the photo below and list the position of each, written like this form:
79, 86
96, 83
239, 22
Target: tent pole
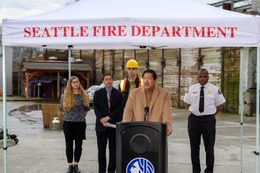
241, 107
4, 110
69, 60
257, 108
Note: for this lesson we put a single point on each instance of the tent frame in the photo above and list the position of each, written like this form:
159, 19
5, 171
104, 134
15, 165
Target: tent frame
236, 30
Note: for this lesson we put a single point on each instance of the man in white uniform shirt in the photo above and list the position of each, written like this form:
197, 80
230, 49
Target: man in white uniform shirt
204, 100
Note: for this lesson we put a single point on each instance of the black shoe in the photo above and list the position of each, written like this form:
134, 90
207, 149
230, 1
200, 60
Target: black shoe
70, 169
16, 140
76, 169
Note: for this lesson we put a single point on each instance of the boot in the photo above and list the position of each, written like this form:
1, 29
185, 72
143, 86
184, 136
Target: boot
70, 169
76, 169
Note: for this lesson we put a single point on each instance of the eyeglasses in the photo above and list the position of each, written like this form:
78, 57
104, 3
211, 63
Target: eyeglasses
75, 82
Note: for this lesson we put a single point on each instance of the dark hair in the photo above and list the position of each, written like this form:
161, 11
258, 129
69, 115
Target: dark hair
150, 71
107, 74
203, 69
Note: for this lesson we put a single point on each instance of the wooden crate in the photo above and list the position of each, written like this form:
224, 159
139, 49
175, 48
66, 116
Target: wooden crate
49, 111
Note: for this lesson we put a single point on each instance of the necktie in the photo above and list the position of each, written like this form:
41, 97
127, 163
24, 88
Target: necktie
108, 98
201, 105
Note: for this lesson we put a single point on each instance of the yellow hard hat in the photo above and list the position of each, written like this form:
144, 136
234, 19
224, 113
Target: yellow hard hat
132, 64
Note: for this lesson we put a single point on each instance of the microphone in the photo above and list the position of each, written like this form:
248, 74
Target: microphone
146, 110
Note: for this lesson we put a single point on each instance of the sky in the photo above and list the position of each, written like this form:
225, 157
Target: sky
15, 9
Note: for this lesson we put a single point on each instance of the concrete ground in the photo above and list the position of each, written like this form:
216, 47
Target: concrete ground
43, 150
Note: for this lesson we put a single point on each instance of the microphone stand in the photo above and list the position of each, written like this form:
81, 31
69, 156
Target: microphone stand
146, 110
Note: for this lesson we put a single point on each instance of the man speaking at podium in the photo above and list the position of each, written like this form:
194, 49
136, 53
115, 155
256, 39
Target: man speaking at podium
149, 103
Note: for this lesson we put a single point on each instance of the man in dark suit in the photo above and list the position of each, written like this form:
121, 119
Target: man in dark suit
108, 107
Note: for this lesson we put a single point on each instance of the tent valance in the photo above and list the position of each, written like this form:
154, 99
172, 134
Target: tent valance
125, 24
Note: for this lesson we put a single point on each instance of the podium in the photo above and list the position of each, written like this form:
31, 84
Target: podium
141, 146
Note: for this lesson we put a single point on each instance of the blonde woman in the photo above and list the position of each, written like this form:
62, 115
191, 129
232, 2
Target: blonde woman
74, 103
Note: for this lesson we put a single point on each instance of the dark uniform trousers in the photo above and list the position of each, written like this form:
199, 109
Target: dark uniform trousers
204, 126
102, 137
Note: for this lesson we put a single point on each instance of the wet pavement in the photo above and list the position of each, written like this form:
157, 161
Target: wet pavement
43, 150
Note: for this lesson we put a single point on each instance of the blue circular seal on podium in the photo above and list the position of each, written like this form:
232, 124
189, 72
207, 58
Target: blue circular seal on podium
140, 165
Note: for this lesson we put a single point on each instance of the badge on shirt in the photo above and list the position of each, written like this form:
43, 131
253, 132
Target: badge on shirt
209, 92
